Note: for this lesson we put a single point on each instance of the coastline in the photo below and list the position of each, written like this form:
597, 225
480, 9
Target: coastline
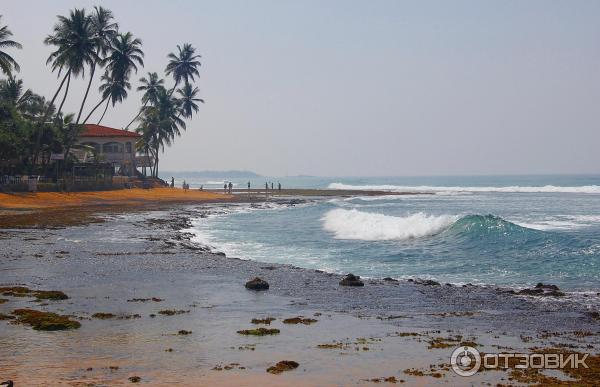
382, 330
56, 209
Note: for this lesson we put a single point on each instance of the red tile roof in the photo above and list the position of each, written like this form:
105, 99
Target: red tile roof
92, 130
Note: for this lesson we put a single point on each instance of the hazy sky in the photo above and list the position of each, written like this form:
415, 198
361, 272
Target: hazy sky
362, 87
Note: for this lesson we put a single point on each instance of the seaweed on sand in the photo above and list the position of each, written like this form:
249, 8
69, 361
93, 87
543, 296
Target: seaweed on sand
284, 365
300, 320
259, 331
44, 321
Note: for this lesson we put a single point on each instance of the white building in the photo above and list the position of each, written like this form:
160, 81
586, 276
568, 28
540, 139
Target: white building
113, 146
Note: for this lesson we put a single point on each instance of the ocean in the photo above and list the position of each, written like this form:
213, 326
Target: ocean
496, 230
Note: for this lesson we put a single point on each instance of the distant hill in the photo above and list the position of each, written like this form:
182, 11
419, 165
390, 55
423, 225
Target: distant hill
212, 174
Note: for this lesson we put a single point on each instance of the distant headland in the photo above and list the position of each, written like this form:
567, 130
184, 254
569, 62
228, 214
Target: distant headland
232, 174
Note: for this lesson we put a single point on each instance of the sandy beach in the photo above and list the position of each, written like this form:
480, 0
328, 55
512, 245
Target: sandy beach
154, 305
129, 197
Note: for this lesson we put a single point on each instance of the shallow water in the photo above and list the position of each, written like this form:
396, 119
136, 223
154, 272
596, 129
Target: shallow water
510, 230
103, 265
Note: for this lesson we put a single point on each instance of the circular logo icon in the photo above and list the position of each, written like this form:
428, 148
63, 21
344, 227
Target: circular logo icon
465, 361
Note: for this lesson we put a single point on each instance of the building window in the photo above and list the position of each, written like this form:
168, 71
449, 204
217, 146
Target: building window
128, 147
112, 147
93, 144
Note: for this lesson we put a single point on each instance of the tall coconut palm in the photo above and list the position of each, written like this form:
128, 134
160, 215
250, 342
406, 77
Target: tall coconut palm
184, 65
124, 57
187, 100
76, 45
115, 92
112, 90
7, 62
103, 31
150, 87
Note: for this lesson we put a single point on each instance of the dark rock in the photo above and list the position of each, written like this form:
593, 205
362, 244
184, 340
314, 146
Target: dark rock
351, 280
542, 290
531, 292
220, 253
427, 282
390, 279
257, 284
547, 286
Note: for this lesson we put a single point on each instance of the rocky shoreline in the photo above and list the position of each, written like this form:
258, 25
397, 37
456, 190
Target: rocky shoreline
140, 278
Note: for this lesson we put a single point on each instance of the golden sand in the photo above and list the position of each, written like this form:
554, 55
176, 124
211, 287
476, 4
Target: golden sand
48, 200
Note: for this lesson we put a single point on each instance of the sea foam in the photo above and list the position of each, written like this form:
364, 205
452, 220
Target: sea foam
353, 224
588, 189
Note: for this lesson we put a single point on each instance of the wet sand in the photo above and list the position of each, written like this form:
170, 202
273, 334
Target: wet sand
386, 329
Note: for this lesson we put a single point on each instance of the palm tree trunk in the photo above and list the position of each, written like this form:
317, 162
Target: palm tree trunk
137, 115
67, 75
173, 89
93, 110
38, 139
86, 92
65, 96
105, 109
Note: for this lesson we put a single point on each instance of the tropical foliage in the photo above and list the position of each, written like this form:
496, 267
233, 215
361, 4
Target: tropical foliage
160, 118
84, 44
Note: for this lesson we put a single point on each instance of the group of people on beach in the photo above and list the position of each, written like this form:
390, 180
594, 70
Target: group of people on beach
227, 186
267, 186
184, 185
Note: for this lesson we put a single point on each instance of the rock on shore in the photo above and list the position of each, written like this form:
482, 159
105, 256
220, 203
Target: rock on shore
351, 280
257, 284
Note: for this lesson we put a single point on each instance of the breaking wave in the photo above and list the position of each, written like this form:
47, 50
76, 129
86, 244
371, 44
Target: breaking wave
353, 224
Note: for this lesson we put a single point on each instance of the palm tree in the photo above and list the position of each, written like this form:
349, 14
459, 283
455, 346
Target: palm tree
112, 90
188, 100
159, 124
150, 88
183, 66
125, 55
7, 63
103, 31
11, 92
76, 46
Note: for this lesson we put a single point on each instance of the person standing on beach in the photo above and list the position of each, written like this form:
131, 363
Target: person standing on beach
230, 187
279, 186
271, 186
248, 186
172, 182
225, 188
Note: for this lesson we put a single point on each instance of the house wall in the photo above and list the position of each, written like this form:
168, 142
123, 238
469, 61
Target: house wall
126, 156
